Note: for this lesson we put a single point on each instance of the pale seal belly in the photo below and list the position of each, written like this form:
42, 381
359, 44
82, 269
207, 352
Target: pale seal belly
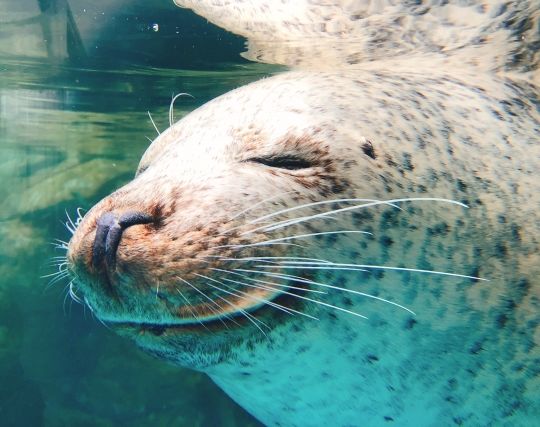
357, 246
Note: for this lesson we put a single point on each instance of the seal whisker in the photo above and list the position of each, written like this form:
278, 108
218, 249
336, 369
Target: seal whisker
362, 267
270, 259
287, 310
261, 203
217, 313
251, 318
268, 243
70, 225
171, 107
94, 314
311, 204
298, 236
190, 308
73, 294
58, 277
60, 264
153, 123
308, 299
263, 282
392, 202
271, 286
339, 288
79, 216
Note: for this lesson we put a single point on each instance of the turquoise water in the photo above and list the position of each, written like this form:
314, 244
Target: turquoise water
71, 131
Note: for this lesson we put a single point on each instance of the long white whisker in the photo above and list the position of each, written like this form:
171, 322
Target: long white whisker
309, 265
154, 124
285, 266
73, 295
311, 282
79, 216
171, 107
251, 208
249, 245
253, 297
288, 222
73, 226
251, 318
275, 259
323, 202
190, 308
320, 303
301, 236
265, 283
217, 313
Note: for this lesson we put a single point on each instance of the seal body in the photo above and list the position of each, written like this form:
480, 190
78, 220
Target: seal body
348, 247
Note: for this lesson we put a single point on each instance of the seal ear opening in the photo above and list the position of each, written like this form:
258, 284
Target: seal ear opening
283, 162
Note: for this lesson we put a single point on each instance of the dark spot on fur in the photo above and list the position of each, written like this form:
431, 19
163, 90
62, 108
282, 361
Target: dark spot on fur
516, 234
347, 302
476, 348
387, 418
386, 241
500, 321
440, 229
475, 272
372, 358
302, 349
368, 149
500, 250
389, 161
407, 162
410, 322
378, 274
461, 185
361, 216
389, 219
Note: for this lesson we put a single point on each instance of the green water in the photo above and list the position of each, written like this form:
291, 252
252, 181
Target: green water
70, 133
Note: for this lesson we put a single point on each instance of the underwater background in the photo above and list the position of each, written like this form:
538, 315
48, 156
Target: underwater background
77, 80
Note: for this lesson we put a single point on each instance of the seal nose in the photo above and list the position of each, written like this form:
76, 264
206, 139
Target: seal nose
109, 232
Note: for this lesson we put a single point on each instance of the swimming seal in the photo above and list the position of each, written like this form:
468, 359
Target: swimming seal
347, 246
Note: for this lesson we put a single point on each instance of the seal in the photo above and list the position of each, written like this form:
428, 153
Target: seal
356, 246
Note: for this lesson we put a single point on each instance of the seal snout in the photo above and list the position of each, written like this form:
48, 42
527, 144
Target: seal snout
109, 232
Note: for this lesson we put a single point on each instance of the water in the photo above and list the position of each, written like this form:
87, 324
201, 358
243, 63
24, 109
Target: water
70, 133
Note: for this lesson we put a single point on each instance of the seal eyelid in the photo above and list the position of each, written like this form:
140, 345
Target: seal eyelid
288, 162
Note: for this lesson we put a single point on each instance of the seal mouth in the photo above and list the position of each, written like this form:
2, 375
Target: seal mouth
237, 317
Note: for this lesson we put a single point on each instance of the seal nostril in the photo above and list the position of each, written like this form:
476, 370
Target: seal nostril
111, 244
104, 223
109, 232
133, 218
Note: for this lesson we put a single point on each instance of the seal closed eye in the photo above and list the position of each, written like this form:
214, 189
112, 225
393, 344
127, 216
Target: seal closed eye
283, 162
